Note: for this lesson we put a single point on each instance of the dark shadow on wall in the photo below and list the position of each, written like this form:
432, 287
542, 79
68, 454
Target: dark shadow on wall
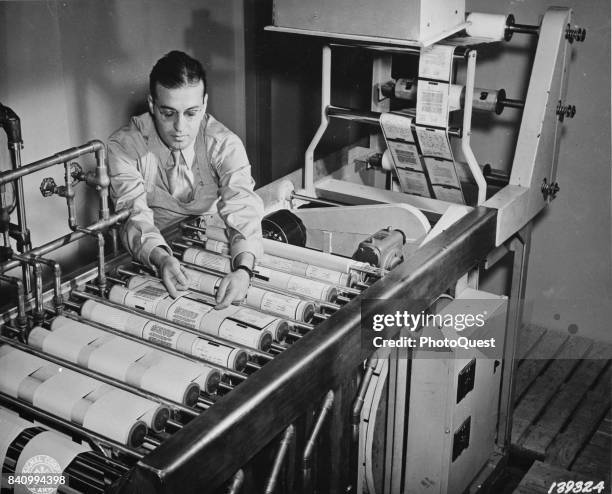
211, 42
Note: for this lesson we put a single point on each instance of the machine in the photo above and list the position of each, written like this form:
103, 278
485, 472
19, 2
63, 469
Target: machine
120, 388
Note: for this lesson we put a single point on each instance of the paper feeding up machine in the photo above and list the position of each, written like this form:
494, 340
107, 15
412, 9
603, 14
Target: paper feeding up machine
127, 389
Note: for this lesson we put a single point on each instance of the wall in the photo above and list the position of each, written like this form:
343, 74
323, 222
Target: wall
75, 70
569, 285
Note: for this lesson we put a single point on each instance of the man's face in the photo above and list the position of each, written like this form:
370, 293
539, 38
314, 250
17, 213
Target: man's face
178, 113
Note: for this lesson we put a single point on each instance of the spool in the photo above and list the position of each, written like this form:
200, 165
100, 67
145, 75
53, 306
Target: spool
284, 226
492, 26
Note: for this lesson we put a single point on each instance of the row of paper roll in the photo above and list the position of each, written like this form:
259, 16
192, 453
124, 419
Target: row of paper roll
298, 285
55, 447
139, 365
279, 304
101, 408
293, 259
165, 335
240, 325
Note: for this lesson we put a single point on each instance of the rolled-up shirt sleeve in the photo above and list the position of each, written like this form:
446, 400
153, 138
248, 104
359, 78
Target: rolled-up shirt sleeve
139, 233
239, 206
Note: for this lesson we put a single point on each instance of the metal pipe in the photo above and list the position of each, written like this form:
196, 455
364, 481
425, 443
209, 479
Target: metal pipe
309, 449
56, 159
371, 364
74, 429
101, 267
69, 238
368, 117
22, 319
39, 311
96, 375
280, 458
58, 300
236, 484
69, 194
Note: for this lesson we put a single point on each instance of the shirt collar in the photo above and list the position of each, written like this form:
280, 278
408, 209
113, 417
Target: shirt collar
146, 125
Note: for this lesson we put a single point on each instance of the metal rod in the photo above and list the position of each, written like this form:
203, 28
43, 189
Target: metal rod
312, 440
524, 29
74, 429
67, 239
295, 195
513, 103
280, 458
368, 117
98, 376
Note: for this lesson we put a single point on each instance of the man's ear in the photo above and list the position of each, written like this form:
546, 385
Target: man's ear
150, 103
205, 105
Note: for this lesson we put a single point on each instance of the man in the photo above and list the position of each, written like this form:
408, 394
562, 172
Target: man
177, 161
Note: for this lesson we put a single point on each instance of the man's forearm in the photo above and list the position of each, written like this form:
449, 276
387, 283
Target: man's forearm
158, 255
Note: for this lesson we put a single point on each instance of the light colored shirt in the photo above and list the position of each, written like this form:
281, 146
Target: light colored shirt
138, 164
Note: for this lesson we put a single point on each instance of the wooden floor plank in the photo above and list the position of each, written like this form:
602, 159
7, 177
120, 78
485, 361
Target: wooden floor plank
528, 336
584, 422
546, 385
559, 410
541, 476
536, 360
595, 461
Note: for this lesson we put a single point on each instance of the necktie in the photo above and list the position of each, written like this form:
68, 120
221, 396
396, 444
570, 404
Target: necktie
180, 178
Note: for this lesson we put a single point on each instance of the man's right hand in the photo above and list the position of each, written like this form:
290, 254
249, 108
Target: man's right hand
170, 271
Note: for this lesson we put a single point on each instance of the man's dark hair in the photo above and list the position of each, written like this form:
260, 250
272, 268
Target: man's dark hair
176, 69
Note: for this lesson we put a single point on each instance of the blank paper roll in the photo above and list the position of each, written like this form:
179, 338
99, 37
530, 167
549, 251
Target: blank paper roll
11, 425
15, 366
48, 446
113, 318
115, 357
492, 26
117, 415
59, 394
135, 363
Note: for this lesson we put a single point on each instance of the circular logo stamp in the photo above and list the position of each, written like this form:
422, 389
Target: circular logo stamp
43, 474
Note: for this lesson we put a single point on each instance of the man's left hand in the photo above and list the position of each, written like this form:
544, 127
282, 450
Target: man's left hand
233, 287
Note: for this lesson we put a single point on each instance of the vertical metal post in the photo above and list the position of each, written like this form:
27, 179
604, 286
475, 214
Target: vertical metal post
325, 102
519, 246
